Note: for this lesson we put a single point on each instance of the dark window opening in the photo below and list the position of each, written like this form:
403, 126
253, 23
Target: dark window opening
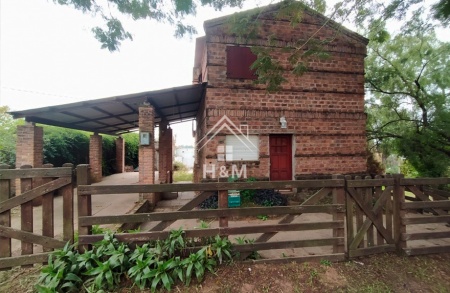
239, 60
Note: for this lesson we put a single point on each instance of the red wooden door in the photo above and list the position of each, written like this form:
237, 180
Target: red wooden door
280, 157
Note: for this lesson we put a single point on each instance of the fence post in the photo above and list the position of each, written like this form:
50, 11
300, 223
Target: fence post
5, 217
399, 214
26, 210
223, 204
67, 194
84, 202
339, 215
47, 210
349, 207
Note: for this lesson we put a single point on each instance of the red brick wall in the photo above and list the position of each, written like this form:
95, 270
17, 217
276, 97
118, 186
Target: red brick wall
29, 146
165, 153
120, 155
324, 108
95, 157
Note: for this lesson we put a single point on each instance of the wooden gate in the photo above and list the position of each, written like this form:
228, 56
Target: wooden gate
35, 187
370, 215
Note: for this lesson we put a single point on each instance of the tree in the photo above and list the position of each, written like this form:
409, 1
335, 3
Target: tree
409, 110
8, 130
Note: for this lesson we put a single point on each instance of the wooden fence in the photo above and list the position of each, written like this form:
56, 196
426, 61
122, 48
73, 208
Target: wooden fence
35, 186
365, 215
430, 207
335, 225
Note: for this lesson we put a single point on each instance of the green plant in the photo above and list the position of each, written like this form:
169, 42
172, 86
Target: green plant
61, 273
325, 262
196, 264
221, 247
248, 194
160, 273
204, 225
243, 240
263, 217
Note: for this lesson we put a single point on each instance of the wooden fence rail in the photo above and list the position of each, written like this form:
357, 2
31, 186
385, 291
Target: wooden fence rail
37, 187
430, 210
333, 187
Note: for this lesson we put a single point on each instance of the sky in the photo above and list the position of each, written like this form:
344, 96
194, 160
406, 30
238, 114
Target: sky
49, 56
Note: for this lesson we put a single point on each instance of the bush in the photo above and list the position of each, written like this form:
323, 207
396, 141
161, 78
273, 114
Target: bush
179, 166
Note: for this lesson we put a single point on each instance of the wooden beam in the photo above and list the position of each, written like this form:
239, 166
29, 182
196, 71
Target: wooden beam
425, 181
35, 173
288, 244
30, 237
149, 188
425, 235
310, 258
371, 250
98, 220
370, 182
427, 204
427, 250
425, 220
148, 236
10, 262
29, 195
5, 217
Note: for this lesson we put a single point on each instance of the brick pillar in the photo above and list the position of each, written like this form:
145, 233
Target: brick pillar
95, 157
29, 145
147, 152
165, 152
120, 155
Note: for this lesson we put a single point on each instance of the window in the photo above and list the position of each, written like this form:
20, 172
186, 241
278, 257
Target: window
242, 148
239, 60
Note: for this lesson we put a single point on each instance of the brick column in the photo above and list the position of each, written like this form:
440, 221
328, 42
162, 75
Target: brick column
29, 145
165, 151
120, 155
95, 157
147, 152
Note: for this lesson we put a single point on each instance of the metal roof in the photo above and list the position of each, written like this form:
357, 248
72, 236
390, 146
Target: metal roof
120, 114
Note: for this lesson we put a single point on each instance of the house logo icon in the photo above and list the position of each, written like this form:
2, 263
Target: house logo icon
240, 133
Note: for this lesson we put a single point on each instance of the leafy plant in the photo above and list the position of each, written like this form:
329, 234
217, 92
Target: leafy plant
61, 273
221, 248
263, 217
196, 264
243, 240
160, 273
325, 262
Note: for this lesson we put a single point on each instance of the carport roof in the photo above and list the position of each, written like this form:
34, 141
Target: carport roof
120, 114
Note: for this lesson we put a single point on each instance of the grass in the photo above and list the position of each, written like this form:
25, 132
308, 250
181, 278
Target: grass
179, 176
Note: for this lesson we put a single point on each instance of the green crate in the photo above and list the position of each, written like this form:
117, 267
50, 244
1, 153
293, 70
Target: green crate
234, 201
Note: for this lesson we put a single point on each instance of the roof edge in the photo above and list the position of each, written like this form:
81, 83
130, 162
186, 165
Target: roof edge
273, 7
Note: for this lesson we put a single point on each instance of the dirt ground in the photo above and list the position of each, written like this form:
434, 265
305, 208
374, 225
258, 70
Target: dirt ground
379, 273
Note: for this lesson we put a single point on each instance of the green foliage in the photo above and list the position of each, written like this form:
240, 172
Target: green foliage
243, 240
153, 265
63, 145
248, 194
109, 155
113, 33
179, 166
409, 112
131, 149
8, 131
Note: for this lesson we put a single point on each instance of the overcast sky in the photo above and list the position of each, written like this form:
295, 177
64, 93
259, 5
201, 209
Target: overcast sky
49, 56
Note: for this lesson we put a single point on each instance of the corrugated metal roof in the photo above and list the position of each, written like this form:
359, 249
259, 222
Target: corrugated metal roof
119, 114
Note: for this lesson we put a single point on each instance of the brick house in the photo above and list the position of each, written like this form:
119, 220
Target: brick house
314, 126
